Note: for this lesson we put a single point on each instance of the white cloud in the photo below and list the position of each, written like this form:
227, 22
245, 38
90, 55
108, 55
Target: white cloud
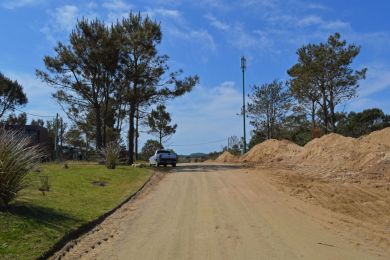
116, 5
117, 9
173, 14
242, 39
62, 20
378, 79
335, 25
217, 23
204, 38
245, 40
165, 15
201, 37
66, 16
310, 20
13, 4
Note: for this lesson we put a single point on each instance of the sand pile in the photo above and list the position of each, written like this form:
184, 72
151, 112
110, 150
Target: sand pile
334, 151
272, 150
227, 157
381, 137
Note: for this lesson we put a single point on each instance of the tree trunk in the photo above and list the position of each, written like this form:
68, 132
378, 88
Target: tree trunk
331, 107
98, 128
105, 118
104, 137
160, 137
136, 133
313, 114
130, 159
2, 204
86, 146
324, 107
268, 130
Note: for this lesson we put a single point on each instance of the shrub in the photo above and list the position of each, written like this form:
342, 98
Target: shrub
111, 154
45, 186
17, 158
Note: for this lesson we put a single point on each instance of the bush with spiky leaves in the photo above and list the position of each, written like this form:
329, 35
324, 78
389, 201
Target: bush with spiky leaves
111, 154
17, 158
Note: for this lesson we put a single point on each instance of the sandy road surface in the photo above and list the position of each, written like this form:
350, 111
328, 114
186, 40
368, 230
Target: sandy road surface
218, 212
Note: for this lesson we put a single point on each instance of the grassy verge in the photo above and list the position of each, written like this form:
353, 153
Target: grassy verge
35, 222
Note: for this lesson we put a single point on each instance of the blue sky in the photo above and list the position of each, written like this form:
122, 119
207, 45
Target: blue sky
207, 37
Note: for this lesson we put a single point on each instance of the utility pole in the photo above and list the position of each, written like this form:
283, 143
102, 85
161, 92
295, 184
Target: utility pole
243, 67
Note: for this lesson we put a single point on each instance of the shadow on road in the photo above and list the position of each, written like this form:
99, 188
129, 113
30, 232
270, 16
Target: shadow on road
200, 167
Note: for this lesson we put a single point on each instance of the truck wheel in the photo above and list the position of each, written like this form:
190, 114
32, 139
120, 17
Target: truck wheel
165, 165
173, 164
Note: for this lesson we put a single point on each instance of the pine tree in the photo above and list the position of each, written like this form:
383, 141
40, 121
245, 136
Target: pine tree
159, 123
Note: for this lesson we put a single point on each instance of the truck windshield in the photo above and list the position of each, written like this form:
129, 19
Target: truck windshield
163, 151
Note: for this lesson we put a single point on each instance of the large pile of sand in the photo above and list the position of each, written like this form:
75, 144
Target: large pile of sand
272, 150
330, 153
334, 151
329, 149
381, 137
227, 157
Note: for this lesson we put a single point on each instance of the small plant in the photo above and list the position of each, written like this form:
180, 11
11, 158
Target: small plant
44, 180
17, 158
111, 154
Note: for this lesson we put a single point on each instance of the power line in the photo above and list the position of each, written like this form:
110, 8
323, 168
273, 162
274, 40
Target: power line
211, 142
30, 114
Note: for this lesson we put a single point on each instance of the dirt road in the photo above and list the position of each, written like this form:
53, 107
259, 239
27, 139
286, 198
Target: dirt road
219, 212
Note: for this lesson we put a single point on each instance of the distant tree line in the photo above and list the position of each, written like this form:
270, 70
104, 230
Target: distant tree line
305, 106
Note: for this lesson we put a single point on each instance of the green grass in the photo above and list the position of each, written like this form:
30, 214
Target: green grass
34, 222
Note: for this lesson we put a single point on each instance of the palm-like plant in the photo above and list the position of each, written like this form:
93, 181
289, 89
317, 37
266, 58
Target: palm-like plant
17, 158
111, 154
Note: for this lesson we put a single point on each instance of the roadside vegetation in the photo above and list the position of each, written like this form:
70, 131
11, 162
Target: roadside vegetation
111, 154
77, 194
17, 158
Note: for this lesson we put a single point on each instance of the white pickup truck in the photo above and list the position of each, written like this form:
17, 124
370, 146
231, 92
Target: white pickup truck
163, 157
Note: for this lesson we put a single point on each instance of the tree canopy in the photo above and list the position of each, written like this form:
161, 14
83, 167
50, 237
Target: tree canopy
324, 78
159, 123
105, 74
19, 120
83, 71
11, 95
268, 106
